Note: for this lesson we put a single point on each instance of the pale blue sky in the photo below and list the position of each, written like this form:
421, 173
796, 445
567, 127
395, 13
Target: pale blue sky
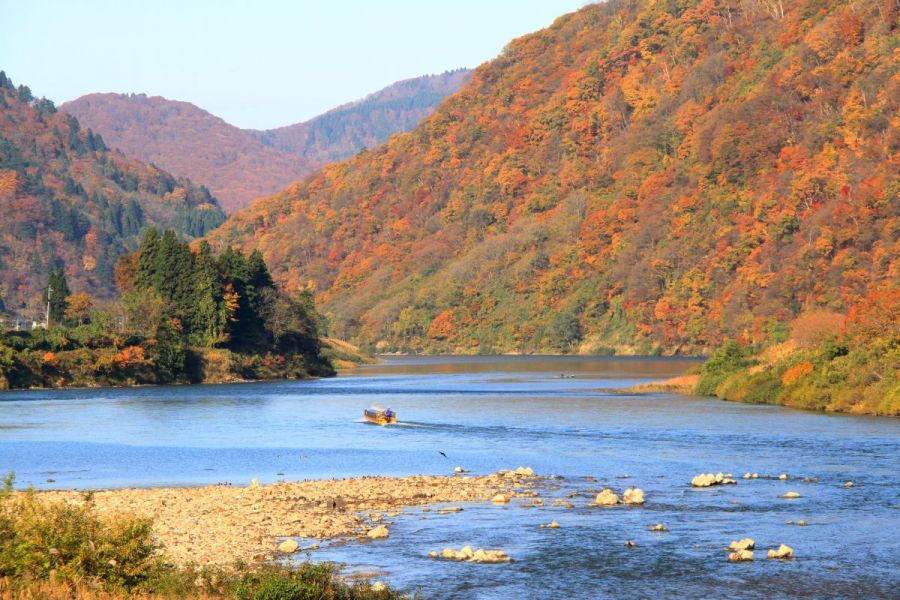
262, 63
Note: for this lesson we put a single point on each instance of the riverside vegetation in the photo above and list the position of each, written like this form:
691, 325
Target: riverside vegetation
185, 315
61, 550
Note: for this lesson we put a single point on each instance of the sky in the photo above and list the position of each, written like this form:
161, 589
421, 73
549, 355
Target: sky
256, 63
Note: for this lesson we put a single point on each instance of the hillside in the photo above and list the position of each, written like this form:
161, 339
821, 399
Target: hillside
66, 201
639, 177
240, 165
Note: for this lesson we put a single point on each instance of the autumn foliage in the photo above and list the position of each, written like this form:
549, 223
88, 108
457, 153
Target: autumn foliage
641, 175
68, 202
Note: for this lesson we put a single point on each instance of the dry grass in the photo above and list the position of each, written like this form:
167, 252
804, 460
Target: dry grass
684, 384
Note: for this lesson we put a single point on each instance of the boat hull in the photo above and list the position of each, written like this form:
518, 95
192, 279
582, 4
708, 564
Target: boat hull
379, 419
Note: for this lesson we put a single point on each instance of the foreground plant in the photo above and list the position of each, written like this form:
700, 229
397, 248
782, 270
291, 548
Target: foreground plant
59, 550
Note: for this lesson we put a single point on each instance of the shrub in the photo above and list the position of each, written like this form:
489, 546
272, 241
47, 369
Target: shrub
725, 361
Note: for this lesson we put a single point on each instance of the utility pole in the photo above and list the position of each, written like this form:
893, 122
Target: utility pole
47, 318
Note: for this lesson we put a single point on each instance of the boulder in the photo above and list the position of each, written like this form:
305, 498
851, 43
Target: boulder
791, 495
633, 496
288, 546
659, 527
606, 497
783, 552
740, 555
848, 484
744, 544
703, 480
467, 553
500, 499
377, 533
490, 556
551, 525
525, 471
783, 477
378, 587
631, 544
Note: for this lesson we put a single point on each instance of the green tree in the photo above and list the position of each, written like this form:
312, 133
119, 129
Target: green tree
56, 292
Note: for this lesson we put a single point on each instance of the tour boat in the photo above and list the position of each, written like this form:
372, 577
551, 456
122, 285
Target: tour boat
379, 416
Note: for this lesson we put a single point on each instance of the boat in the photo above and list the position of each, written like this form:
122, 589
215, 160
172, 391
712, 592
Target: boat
379, 415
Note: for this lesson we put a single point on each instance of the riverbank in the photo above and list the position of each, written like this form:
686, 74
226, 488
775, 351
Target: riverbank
218, 525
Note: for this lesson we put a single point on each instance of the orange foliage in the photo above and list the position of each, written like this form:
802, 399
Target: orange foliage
796, 372
129, 356
672, 172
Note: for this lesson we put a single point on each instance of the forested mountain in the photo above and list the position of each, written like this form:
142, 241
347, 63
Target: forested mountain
345, 130
642, 175
68, 202
241, 165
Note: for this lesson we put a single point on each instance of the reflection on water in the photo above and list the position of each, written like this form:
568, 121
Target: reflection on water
487, 413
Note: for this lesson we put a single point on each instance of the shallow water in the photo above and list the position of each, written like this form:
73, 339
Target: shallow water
487, 413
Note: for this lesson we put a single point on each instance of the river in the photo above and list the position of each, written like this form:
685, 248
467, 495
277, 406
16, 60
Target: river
561, 416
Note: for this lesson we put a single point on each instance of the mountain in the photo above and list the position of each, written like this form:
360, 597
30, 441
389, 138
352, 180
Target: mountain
641, 176
240, 165
66, 201
347, 129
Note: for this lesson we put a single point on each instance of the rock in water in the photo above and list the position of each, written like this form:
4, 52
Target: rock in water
703, 480
848, 484
659, 527
288, 547
783, 551
741, 555
783, 477
710, 479
469, 554
791, 495
606, 497
500, 499
744, 544
377, 533
633, 496
551, 525
525, 471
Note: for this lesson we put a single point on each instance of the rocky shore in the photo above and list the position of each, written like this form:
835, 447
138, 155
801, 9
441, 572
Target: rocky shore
218, 525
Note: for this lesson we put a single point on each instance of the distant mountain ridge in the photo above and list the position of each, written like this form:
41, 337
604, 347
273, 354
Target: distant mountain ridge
347, 129
240, 165
67, 201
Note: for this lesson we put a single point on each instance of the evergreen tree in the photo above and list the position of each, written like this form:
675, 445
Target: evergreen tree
145, 276
56, 292
209, 317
